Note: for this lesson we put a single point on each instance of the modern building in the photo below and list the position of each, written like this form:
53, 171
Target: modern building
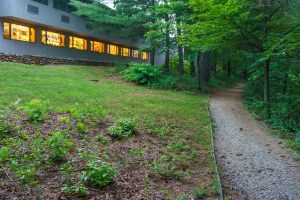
45, 28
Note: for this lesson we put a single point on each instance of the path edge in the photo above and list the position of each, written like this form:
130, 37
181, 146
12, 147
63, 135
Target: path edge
213, 151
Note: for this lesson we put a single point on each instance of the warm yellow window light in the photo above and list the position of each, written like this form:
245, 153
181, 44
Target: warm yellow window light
18, 32
125, 52
135, 53
52, 38
98, 47
6, 30
113, 49
145, 56
78, 43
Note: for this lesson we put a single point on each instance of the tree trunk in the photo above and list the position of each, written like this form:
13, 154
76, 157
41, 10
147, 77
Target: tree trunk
167, 55
229, 68
180, 49
206, 67
267, 82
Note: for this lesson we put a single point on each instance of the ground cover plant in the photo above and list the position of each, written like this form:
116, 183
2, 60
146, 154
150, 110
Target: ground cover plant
66, 136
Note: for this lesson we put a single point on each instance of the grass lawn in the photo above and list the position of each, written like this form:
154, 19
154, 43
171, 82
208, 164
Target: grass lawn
58, 133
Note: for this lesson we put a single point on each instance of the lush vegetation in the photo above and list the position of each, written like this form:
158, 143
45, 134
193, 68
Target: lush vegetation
63, 134
257, 41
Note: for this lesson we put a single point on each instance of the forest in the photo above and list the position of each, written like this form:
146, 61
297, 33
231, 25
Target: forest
256, 42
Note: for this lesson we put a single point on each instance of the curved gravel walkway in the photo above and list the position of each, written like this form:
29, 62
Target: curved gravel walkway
255, 163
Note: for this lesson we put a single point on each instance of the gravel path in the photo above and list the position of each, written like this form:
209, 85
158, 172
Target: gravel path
255, 163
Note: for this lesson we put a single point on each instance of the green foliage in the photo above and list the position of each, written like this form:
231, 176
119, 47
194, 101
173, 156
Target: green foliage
81, 127
35, 110
99, 173
4, 151
182, 197
199, 193
75, 190
122, 128
142, 74
152, 76
102, 139
221, 80
175, 161
59, 146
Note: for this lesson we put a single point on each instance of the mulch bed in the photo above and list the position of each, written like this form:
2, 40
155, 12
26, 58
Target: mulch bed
135, 179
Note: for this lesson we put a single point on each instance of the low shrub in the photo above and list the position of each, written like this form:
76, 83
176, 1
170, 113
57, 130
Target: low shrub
142, 74
99, 173
122, 128
151, 76
35, 110
81, 128
75, 190
59, 146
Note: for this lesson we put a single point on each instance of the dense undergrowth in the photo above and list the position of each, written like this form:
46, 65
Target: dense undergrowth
283, 111
154, 77
65, 136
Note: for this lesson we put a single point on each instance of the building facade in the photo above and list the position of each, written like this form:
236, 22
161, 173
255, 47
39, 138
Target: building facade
43, 28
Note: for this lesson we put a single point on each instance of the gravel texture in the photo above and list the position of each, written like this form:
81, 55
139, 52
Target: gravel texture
255, 163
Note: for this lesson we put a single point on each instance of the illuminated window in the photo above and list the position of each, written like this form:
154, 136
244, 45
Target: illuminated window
125, 52
113, 49
98, 47
135, 53
54, 39
18, 32
78, 43
6, 30
145, 56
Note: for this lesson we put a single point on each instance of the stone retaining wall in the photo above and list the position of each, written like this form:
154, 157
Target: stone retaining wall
36, 60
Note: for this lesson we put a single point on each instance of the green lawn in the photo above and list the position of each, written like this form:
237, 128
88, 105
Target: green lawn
177, 117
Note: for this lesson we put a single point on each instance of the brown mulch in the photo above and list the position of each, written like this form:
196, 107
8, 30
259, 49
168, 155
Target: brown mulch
135, 179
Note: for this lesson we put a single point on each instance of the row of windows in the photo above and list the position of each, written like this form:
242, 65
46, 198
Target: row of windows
27, 34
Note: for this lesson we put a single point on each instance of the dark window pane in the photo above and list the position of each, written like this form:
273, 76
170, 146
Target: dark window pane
65, 19
32, 9
45, 2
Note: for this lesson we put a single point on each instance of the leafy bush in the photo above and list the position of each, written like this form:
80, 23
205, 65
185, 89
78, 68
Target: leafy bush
152, 76
81, 128
283, 111
35, 110
122, 128
99, 173
59, 146
142, 74
75, 190
4, 151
